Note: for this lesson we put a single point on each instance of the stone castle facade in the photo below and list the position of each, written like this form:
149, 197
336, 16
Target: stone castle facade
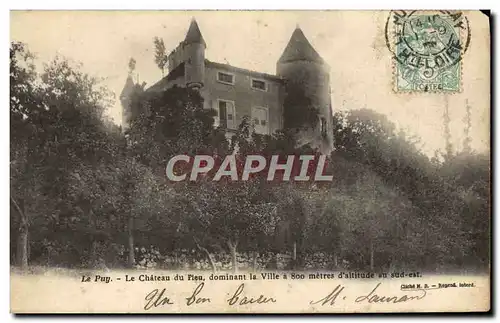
235, 92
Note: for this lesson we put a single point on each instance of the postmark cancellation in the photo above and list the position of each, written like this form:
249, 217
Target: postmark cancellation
427, 50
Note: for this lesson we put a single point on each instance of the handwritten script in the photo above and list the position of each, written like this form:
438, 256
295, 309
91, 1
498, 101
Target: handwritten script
371, 297
240, 296
160, 298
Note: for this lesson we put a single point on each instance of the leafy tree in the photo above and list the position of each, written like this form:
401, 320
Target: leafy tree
144, 206
169, 123
25, 176
131, 65
96, 195
224, 215
57, 128
368, 138
468, 176
160, 54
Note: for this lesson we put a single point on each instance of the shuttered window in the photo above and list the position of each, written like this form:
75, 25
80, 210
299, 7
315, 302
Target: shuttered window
225, 78
260, 120
259, 85
226, 115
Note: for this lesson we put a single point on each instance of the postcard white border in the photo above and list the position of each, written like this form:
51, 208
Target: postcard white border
214, 4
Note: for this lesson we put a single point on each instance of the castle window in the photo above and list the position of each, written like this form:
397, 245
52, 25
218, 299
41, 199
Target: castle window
259, 85
323, 127
226, 115
260, 117
225, 78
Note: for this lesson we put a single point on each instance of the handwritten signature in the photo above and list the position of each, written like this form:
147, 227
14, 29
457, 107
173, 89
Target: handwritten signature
159, 297
371, 297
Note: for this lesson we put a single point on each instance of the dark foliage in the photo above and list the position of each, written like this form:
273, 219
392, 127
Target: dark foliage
84, 195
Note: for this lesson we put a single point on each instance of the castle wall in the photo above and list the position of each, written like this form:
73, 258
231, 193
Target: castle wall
176, 57
244, 96
314, 79
241, 93
194, 63
299, 65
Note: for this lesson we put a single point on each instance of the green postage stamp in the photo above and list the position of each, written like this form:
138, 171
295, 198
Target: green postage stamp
428, 47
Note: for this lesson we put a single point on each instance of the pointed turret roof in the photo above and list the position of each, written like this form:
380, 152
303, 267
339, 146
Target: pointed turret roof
299, 49
128, 88
193, 35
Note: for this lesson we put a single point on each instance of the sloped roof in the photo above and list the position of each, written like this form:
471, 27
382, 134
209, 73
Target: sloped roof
299, 49
171, 76
128, 88
193, 35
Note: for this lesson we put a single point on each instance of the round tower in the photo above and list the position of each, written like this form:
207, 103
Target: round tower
194, 59
302, 67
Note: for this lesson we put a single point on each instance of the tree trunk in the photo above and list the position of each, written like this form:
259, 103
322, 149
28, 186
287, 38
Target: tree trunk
232, 248
372, 260
22, 248
131, 252
294, 255
93, 253
176, 260
22, 240
254, 264
211, 260
209, 255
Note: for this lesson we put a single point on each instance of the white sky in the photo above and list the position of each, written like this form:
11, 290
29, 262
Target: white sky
351, 42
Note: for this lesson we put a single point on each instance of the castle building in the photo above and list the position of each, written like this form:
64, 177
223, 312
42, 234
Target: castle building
235, 92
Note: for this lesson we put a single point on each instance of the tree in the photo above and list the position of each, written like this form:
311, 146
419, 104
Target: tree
468, 176
145, 204
131, 65
446, 130
467, 125
172, 122
224, 215
250, 215
23, 102
160, 54
57, 128
169, 123
438, 229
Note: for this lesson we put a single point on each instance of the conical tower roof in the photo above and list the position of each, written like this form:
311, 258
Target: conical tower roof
299, 49
193, 35
128, 88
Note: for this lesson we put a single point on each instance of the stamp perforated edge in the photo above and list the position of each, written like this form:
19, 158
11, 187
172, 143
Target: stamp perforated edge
394, 62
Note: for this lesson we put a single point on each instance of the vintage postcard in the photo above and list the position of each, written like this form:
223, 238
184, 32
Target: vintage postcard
250, 161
